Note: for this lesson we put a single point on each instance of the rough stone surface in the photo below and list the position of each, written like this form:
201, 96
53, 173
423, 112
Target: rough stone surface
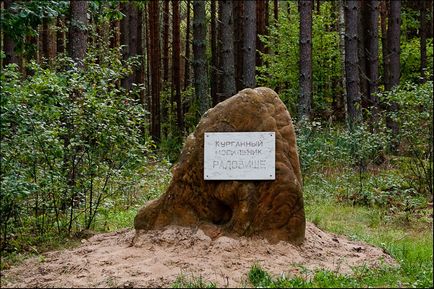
273, 209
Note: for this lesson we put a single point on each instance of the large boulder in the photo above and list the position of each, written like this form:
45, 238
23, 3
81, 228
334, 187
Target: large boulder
273, 209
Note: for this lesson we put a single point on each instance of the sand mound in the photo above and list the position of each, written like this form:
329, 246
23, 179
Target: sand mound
158, 257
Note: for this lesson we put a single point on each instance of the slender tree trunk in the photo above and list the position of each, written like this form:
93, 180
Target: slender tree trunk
249, 57
132, 39
148, 62
362, 29
155, 54
140, 72
187, 80
393, 43
115, 26
176, 73
260, 28
166, 11
214, 53
276, 11
199, 53
227, 61
383, 22
60, 34
372, 57
393, 54
49, 43
352, 64
305, 101
343, 97
124, 27
77, 34
422, 32
238, 12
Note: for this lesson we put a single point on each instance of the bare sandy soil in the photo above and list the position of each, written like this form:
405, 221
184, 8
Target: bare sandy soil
158, 257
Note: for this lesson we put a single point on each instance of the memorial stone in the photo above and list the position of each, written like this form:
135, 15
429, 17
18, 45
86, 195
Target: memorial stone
238, 174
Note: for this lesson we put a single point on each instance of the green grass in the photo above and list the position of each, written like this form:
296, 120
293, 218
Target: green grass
408, 240
191, 281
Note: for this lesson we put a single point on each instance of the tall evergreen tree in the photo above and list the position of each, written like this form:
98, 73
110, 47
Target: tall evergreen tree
77, 38
372, 51
166, 12
422, 34
187, 80
305, 42
199, 53
214, 53
393, 63
354, 112
176, 70
249, 44
227, 62
238, 14
155, 71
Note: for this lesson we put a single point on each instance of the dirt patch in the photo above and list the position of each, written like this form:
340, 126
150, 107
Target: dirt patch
159, 256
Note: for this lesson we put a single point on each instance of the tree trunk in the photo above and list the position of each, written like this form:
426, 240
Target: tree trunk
227, 61
260, 28
422, 30
393, 54
199, 53
214, 53
352, 64
77, 31
115, 27
393, 43
154, 44
383, 13
187, 80
276, 11
132, 39
166, 11
343, 97
305, 101
372, 57
362, 29
140, 72
249, 57
124, 27
49, 41
238, 12
176, 73
60, 35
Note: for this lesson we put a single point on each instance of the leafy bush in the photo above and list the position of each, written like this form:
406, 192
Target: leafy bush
415, 121
70, 140
322, 145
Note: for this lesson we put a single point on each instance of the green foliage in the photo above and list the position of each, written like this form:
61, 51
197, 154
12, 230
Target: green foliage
361, 277
258, 277
321, 145
410, 61
71, 140
281, 69
23, 18
183, 281
415, 121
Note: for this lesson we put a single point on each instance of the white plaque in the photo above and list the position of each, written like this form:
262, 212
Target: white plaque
239, 156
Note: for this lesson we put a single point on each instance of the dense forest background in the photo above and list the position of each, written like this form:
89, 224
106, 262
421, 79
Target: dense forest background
98, 96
